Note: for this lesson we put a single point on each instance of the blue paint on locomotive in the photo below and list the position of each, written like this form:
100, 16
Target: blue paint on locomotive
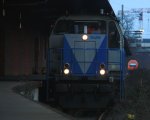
68, 57
100, 57
84, 59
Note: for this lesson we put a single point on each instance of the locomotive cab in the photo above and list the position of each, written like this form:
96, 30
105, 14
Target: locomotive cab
84, 52
86, 43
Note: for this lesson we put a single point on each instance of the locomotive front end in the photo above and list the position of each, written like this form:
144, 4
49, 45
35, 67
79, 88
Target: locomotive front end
86, 58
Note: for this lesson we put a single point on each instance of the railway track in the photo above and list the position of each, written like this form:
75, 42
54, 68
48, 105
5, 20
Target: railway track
102, 116
90, 115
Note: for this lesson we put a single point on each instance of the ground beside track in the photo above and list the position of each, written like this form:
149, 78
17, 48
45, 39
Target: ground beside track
16, 107
136, 106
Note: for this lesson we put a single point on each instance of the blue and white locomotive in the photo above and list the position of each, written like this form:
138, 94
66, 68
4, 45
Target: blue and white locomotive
86, 58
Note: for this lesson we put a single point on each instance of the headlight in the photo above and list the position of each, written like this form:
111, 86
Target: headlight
66, 68
102, 72
66, 71
84, 37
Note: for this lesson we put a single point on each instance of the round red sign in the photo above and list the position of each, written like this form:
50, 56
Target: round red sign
133, 65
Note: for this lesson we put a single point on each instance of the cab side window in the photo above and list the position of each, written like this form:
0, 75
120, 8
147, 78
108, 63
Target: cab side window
113, 34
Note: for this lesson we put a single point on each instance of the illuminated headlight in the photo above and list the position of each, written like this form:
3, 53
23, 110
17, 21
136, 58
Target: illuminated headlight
66, 71
66, 68
84, 37
102, 72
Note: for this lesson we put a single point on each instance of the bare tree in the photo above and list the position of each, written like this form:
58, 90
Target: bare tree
127, 23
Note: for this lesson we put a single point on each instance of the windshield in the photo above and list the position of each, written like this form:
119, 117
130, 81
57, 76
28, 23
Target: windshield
80, 27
